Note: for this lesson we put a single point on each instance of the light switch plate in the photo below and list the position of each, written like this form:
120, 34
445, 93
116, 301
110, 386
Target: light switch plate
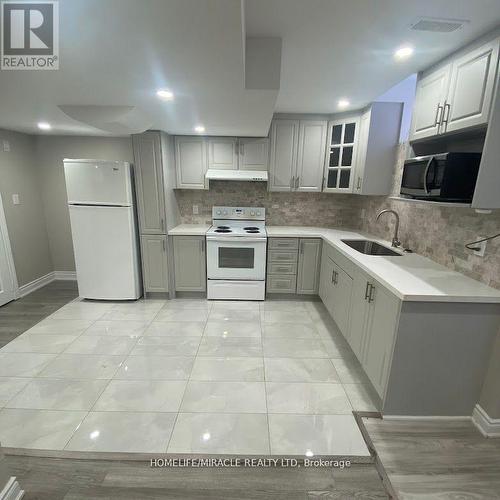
6, 146
15, 199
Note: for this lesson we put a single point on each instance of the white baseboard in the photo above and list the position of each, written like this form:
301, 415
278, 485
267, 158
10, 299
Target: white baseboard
45, 280
65, 275
488, 427
12, 490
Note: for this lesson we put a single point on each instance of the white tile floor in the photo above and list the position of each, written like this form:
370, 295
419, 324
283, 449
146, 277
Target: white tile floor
184, 376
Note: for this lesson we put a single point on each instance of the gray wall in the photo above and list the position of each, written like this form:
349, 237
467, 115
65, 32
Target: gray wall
50, 152
25, 222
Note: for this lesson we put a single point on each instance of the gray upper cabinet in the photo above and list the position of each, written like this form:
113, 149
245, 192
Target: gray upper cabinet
149, 182
283, 162
297, 155
222, 153
155, 268
341, 152
190, 263
471, 87
311, 155
191, 162
309, 266
456, 95
429, 104
253, 153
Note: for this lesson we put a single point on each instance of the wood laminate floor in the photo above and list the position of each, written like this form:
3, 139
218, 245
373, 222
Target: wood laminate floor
437, 460
70, 479
19, 315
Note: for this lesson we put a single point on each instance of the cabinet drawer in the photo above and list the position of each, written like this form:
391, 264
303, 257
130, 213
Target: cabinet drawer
282, 256
281, 283
278, 268
284, 243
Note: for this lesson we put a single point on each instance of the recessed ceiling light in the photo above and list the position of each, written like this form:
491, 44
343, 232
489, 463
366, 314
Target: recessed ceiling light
403, 52
343, 103
44, 126
199, 128
165, 95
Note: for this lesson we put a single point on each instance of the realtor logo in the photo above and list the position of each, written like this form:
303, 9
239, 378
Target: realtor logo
30, 35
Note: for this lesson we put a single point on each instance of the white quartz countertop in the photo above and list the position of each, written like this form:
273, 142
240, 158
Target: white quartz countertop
189, 230
409, 276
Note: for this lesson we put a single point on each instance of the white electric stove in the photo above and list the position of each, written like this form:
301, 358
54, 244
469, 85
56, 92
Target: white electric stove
236, 254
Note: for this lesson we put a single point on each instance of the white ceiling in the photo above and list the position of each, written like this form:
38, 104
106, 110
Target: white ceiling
335, 49
118, 52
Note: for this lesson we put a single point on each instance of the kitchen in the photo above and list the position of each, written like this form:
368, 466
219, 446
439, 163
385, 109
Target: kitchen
278, 281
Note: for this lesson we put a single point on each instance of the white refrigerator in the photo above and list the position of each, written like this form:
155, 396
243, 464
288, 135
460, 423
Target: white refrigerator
104, 228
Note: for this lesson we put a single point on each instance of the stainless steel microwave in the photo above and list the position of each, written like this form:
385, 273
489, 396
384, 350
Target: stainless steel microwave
441, 177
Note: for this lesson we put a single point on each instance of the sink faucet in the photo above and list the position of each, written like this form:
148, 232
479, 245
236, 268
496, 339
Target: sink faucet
395, 238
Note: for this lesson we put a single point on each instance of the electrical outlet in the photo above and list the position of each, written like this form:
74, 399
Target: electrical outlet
6, 146
196, 210
481, 247
15, 199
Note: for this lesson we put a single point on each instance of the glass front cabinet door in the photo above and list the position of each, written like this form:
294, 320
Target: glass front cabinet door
341, 155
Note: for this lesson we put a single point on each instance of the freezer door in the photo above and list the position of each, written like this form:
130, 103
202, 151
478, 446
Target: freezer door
98, 182
106, 252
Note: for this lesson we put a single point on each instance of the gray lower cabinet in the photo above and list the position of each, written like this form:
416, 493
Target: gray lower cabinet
422, 358
154, 258
293, 265
308, 266
190, 264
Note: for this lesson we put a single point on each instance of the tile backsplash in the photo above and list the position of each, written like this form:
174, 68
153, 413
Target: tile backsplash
293, 209
438, 232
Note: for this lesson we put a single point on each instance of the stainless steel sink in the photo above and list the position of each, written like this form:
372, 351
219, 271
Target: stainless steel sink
369, 247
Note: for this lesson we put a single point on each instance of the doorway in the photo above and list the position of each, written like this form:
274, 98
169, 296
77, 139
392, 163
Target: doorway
8, 279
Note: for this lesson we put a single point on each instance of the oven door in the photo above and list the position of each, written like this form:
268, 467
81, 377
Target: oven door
236, 258
423, 176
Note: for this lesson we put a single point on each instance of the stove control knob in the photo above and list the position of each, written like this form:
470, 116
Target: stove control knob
258, 213
225, 212
218, 212
252, 213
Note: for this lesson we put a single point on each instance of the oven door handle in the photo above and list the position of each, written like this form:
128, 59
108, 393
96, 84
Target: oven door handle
426, 172
236, 239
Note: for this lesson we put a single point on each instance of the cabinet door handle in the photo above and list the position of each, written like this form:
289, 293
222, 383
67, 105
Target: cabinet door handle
333, 276
203, 245
164, 245
358, 186
297, 180
292, 182
439, 115
371, 296
367, 290
302, 247
446, 115
323, 184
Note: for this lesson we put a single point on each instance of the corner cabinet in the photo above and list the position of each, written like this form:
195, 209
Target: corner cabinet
155, 267
190, 263
293, 265
191, 162
308, 266
457, 95
297, 155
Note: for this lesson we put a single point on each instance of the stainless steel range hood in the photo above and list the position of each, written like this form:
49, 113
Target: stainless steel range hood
236, 175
